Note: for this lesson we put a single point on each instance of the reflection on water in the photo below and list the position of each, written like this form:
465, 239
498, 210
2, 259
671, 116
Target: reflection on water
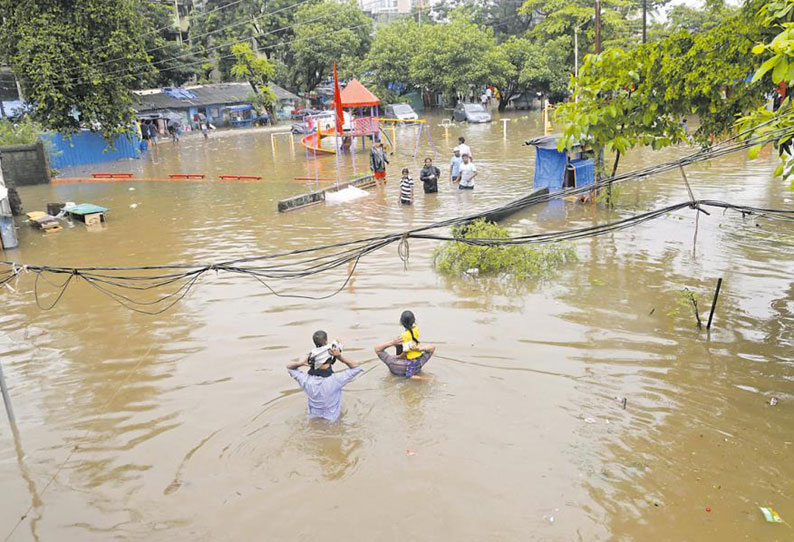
187, 424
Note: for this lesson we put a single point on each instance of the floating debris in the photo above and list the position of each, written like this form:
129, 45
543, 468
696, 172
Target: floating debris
773, 401
770, 515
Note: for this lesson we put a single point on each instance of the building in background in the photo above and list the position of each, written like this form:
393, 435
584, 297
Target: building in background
222, 104
385, 10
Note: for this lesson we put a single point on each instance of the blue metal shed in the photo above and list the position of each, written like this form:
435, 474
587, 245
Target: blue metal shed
557, 170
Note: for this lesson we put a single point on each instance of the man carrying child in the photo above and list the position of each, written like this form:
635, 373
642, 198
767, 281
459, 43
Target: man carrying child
323, 387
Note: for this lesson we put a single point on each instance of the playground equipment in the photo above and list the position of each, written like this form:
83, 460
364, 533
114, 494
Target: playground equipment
358, 122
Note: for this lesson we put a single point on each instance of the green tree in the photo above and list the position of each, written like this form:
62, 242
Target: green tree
327, 33
639, 96
776, 49
220, 24
391, 55
76, 60
620, 21
174, 63
451, 58
535, 66
258, 71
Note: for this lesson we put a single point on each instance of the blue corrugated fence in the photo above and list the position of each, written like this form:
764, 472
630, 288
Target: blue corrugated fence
90, 148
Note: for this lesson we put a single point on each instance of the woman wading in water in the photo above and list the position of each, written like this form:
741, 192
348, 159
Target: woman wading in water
411, 355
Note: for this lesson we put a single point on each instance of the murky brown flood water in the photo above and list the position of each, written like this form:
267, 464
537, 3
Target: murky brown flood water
187, 426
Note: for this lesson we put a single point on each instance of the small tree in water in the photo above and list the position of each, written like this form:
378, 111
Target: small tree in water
519, 261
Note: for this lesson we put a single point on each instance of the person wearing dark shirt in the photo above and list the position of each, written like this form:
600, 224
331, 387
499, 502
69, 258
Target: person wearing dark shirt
429, 177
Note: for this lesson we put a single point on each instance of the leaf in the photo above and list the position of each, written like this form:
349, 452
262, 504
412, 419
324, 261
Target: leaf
765, 67
780, 71
758, 49
754, 151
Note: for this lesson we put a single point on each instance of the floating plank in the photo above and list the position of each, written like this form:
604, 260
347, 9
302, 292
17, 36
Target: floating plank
112, 175
313, 198
186, 176
44, 221
240, 178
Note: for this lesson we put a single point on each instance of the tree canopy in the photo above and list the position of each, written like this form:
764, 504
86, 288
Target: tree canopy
639, 96
76, 60
327, 33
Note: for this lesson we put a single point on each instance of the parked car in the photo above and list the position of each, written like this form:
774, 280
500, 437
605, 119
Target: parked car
471, 113
401, 112
525, 100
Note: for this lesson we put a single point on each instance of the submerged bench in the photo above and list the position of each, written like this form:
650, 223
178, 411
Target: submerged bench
313, 198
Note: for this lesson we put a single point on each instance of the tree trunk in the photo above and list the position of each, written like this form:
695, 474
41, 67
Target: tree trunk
609, 183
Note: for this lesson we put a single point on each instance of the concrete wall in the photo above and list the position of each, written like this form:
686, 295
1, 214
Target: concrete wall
25, 165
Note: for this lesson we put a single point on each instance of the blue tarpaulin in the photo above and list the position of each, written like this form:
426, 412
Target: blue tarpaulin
549, 168
179, 93
246, 107
584, 172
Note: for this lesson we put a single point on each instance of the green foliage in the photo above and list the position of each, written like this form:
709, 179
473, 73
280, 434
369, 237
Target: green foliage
24, 132
268, 23
452, 57
393, 52
687, 301
328, 32
173, 64
694, 20
639, 96
620, 24
76, 60
538, 66
777, 67
520, 261
258, 71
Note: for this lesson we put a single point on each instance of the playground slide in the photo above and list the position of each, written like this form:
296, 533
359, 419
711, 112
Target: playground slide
312, 142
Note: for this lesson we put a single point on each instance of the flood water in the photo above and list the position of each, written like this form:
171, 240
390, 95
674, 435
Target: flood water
186, 426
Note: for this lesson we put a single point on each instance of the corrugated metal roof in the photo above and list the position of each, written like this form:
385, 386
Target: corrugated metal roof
217, 94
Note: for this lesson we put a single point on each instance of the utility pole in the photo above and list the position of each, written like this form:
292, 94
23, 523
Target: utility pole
644, 21
178, 23
598, 26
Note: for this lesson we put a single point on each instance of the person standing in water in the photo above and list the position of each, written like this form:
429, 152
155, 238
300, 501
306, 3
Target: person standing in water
378, 161
406, 188
429, 177
464, 149
410, 356
323, 387
468, 171
454, 165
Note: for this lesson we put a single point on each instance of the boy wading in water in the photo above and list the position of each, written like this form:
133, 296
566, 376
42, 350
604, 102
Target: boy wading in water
406, 188
323, 387
378, 161
411, 355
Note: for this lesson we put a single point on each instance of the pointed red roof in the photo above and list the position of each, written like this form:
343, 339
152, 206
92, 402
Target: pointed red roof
356, 95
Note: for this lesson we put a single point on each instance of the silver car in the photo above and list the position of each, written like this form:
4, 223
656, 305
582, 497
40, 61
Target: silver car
471, 113
401, 112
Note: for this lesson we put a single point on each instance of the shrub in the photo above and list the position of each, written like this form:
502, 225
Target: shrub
24, 132
519, 261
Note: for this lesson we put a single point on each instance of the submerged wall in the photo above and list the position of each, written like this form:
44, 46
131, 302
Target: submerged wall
90, 148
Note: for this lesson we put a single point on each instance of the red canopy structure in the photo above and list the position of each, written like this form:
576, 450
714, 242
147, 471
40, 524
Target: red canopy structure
357, 95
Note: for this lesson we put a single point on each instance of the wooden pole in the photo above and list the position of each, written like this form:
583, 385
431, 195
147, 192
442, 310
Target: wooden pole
6, 398
598, 26
714, 302
644, 21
